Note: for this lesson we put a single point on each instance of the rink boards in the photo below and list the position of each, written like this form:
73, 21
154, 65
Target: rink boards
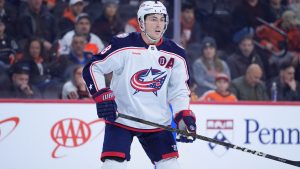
55, 135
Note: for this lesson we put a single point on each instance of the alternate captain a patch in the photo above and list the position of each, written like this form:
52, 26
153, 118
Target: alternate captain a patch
148, 80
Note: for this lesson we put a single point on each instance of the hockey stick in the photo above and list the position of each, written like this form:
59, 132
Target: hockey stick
261, 154
281, 32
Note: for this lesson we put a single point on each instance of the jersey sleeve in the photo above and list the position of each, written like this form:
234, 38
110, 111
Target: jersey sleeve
108, 60
178, 89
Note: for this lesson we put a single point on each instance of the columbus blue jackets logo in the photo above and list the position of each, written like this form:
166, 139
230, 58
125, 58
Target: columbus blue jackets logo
148, 80
222, 130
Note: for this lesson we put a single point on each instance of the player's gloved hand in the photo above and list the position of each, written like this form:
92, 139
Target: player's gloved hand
186, 120
106, 105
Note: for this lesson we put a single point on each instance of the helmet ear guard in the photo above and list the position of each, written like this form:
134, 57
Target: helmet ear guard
141, 23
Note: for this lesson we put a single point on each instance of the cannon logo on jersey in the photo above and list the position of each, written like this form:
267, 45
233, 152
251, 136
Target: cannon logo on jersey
222, 130
148, 80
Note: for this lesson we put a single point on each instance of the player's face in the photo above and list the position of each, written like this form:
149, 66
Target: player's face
83, 26
35, 49
188, 15
246, 47
35, 4
209, 52
111, 10
20, 79
78, 76
78, 44
77, 8
222, 85
253, 78
288, 74
154, 25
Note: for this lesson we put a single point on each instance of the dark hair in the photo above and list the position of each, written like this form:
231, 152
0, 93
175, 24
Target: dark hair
208, 41
285, 64
246, 37
106, 2
82, 16
27, 48
75, 69
217, 62
187, 5
78, 35
19, 68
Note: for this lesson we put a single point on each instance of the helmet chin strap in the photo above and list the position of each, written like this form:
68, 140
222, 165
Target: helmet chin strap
151, 39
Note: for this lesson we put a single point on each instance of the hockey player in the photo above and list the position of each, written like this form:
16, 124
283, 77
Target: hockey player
149, 73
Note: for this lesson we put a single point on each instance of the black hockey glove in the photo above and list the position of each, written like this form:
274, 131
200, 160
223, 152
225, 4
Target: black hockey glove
106, 105
186, 120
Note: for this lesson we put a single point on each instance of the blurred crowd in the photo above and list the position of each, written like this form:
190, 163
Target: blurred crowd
236, 49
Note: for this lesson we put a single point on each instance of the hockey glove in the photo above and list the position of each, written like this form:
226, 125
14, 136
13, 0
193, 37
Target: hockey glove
106, 105
186, 120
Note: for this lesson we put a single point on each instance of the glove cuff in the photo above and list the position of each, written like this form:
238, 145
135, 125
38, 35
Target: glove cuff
104, 94
184, 113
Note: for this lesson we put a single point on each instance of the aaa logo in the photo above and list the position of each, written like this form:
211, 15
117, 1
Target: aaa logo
7, 126
71, 133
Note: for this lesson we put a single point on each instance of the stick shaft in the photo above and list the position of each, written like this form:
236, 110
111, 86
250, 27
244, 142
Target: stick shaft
254, 152
272, 27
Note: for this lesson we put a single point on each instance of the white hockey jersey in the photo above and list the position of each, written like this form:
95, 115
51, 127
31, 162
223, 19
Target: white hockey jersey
146, 79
